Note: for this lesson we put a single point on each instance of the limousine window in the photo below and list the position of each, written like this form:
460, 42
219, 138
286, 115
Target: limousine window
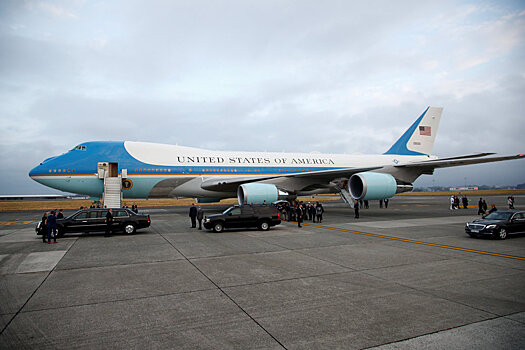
86, 215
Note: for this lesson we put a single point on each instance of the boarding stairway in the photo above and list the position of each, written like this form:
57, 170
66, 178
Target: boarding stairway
345, 196
112, 195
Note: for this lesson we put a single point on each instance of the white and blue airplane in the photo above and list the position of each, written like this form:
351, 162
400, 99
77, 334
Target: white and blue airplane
150, 170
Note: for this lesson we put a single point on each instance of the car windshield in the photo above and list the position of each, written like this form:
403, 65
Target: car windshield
498, 215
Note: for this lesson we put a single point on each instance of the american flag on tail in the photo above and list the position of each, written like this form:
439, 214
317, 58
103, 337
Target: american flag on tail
424, 130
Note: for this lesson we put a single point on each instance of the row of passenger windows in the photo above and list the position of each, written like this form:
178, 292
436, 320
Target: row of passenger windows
204, 170
140, 170
219, 170
61, 170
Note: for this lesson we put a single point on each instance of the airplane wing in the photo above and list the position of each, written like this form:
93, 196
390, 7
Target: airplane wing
299, 181
322, 176
457, 161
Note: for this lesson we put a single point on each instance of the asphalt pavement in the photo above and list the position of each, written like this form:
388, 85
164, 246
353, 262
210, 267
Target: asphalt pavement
405, 277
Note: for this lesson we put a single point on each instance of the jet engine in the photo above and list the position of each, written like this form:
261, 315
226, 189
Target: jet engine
257, 193
370, 185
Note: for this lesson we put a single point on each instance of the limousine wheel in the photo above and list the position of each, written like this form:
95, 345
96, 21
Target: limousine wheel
129, 228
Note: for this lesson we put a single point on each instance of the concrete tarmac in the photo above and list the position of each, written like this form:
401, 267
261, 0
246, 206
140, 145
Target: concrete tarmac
406, 277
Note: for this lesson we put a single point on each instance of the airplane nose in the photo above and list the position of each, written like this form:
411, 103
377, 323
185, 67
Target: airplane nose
35, 171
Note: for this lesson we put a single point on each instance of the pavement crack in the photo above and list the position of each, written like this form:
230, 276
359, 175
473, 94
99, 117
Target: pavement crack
224, 293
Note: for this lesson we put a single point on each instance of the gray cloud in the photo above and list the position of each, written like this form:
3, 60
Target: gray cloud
335, 77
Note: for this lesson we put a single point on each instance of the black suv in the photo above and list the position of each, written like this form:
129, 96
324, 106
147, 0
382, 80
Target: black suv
94, 220
263, 217
497, 224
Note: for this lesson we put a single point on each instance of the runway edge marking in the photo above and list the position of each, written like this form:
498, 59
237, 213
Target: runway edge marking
418, 242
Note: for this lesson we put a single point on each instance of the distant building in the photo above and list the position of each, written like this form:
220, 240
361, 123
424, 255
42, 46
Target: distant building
468, 188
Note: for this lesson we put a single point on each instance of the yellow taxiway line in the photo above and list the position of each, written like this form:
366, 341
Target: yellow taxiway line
417, 242
16, 222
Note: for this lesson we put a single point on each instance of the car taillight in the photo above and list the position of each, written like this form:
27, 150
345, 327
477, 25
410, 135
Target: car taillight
149, 219
278, 216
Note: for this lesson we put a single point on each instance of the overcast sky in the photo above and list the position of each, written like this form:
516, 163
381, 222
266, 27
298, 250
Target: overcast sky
299, 76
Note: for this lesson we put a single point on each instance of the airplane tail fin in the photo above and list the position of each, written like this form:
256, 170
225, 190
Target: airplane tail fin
419, 138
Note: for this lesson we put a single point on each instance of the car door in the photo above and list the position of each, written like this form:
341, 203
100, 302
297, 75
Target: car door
518, 223
98, 221
120, 216
79, 223
233, 218
248, 216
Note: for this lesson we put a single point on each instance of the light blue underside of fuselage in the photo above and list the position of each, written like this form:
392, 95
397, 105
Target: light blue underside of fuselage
95, 186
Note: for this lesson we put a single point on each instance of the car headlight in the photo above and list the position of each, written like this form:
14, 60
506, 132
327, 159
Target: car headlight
491, 226
207, 220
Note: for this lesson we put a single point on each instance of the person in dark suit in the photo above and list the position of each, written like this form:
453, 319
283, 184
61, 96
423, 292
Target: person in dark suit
319, 210
312, 212
193, 215
464, 200
52, 227
356, 209
43, 227
109, 222
299, 215
200, 216
480, 207
60, 214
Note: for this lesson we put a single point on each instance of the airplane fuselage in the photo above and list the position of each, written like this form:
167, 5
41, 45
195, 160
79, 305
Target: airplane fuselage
159, 170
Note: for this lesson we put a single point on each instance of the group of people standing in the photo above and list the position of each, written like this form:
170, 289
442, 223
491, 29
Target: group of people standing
454, 202
196, 214
300, 211
482, 206
48, 225
359, 204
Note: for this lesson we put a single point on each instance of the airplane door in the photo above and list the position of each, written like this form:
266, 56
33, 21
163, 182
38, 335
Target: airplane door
106, 169
113, 170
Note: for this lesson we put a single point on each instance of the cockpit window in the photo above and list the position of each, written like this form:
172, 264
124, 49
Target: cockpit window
79, 148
